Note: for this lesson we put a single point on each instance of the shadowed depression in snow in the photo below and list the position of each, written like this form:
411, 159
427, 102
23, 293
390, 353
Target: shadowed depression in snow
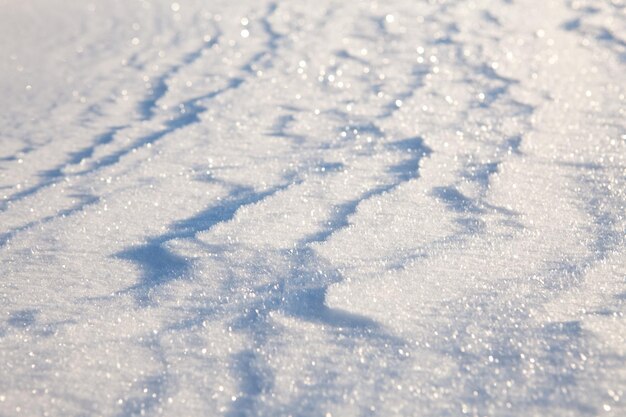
287, 208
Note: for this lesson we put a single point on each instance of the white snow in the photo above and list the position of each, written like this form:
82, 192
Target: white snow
359, 208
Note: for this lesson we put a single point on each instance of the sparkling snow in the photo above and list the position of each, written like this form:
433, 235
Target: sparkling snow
326, 208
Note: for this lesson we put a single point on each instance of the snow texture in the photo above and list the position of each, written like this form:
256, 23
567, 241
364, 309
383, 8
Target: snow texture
312, 208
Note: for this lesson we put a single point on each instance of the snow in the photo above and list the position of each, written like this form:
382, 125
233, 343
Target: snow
321, 208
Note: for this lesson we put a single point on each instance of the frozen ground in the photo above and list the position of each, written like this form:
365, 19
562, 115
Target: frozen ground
313, 208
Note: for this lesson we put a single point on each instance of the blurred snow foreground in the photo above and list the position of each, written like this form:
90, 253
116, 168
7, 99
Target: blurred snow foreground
329, 208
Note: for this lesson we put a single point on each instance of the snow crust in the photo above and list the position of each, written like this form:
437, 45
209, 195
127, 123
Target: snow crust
357, 208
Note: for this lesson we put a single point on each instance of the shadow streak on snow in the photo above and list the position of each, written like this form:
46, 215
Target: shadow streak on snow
159, 265
53, 175
606, 235
86, 200
416, 82
146, 110
190, 109
188, 114
300, 292
403, 172
271, 44
154, 388
544, 365
23, 318
28, 322
456, 201
517, 365
587, 28
280, 129
159, 85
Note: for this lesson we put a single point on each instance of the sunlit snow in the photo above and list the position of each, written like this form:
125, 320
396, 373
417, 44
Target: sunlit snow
313, 208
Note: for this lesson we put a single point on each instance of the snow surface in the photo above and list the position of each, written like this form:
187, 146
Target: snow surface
324, 208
